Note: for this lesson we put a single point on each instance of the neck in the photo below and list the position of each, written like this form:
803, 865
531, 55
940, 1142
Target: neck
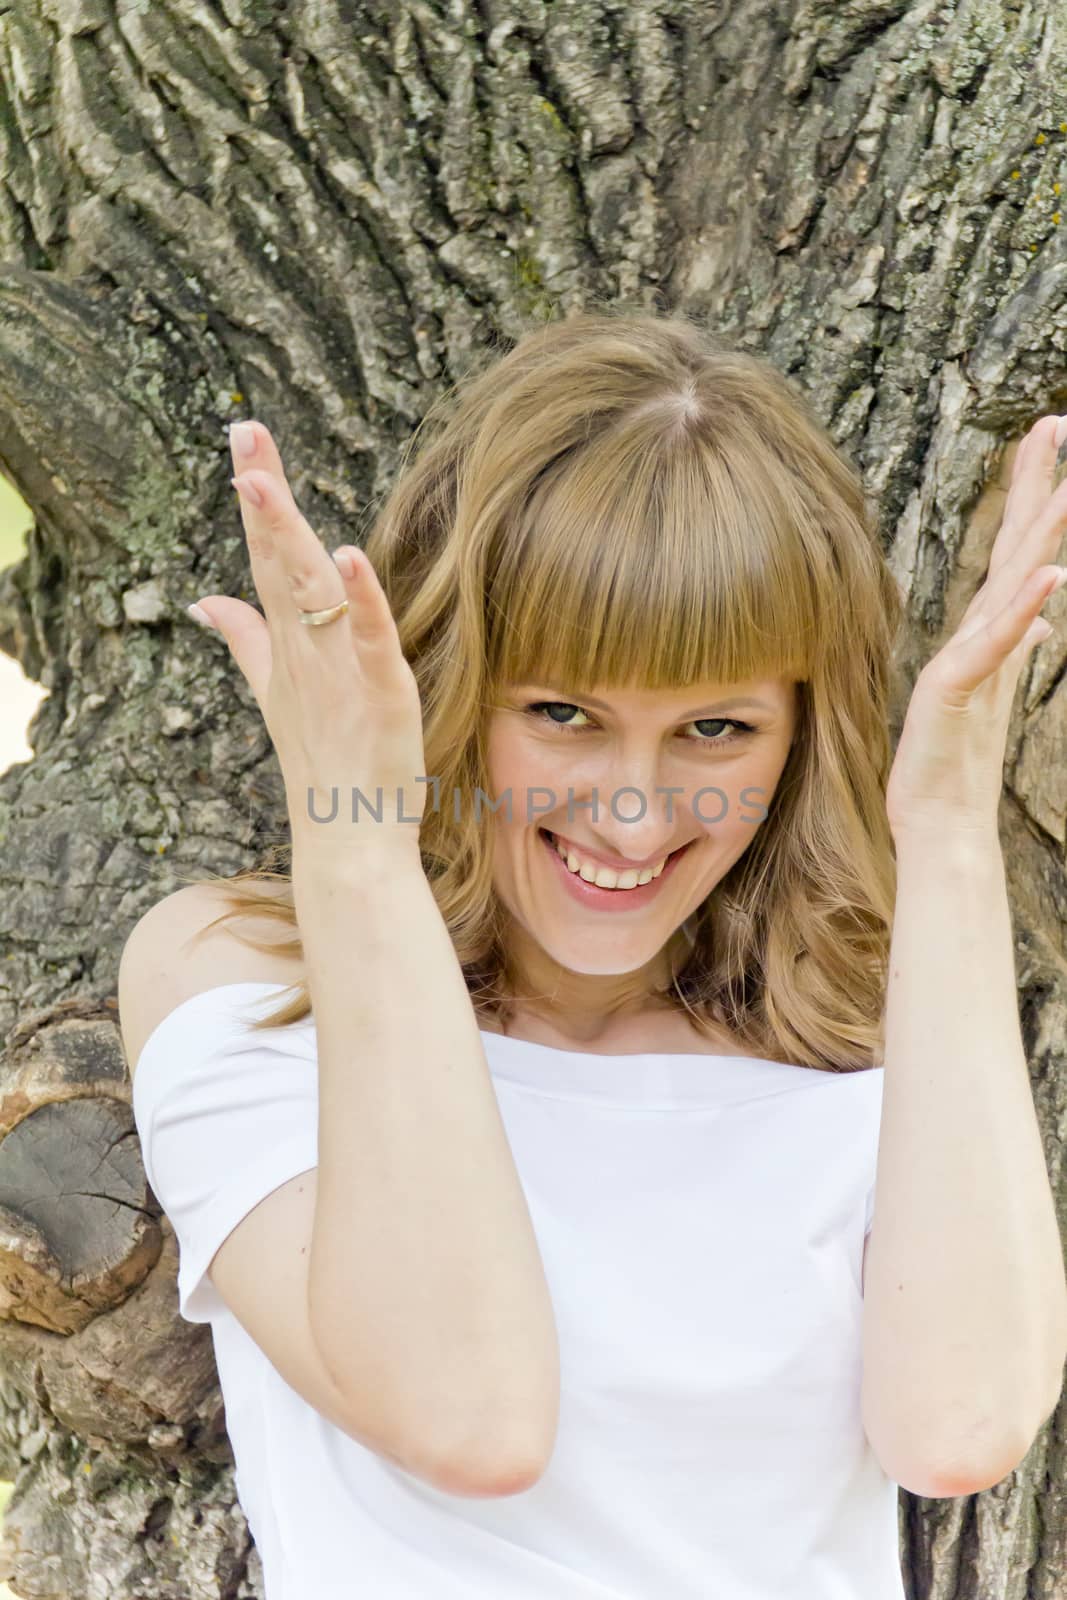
575, 1009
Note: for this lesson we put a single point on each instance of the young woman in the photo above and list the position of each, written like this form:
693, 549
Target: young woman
521, 1140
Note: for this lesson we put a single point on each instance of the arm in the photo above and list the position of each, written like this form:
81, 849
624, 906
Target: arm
426, 1294
965, 1307
425, 1280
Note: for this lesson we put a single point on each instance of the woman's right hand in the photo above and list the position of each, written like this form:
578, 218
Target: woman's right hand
340, 702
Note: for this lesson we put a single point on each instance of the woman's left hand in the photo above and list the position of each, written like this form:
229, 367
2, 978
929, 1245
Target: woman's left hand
949, 765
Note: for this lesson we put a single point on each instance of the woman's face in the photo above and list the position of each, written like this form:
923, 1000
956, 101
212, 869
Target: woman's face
691, 771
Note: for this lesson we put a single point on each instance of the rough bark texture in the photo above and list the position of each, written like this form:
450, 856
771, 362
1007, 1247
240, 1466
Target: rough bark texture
311, 213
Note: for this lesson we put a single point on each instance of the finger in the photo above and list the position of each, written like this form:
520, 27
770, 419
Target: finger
375, 626
971, 658
1031, 486
1038, 546
1040, 630
247, 637
290, 566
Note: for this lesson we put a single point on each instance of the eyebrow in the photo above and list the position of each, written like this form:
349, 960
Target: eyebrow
733, 703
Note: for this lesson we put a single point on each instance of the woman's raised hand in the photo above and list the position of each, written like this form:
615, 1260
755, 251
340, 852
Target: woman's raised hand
340, 702
948, 771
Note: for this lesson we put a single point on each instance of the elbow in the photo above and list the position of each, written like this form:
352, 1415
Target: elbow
469, 1473
474, 1482
965, 1470
483, 1467
973, 1455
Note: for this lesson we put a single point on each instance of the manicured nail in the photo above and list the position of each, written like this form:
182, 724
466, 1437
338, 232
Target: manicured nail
243, 438
198, 614
247, 491
344, 562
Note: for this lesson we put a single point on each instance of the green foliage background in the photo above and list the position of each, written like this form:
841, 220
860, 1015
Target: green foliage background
15, 518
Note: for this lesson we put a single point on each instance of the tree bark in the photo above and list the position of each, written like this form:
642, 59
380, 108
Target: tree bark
315, 214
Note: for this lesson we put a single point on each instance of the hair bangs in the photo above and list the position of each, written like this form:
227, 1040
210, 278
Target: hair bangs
651, 562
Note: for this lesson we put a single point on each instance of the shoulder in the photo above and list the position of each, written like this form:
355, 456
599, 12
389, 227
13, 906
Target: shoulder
172, 953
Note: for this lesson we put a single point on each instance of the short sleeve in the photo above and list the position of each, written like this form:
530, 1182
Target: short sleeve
224, 1116
868, 1211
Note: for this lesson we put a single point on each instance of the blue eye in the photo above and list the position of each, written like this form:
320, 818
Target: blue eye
539, 710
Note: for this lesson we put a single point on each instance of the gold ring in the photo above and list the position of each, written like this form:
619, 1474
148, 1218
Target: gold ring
316, 619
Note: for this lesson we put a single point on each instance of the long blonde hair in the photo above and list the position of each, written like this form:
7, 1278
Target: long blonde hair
623, 499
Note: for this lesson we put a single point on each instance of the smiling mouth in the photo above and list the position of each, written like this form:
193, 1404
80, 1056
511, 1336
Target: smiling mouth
555, 840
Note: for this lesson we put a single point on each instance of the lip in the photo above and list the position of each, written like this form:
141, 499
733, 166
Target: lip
614, 866
609, 899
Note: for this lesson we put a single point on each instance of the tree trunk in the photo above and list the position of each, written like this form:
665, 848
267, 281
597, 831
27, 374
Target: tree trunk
312, 214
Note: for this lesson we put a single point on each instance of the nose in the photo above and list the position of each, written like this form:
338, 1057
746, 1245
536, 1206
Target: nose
631, 823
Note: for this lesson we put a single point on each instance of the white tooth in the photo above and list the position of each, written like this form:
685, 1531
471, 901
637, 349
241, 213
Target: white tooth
604, 877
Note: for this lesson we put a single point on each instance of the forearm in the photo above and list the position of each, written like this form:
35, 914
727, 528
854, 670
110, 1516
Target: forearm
426, 1281
965, 1304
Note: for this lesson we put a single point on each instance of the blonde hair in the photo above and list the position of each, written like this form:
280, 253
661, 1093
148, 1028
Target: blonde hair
623, 499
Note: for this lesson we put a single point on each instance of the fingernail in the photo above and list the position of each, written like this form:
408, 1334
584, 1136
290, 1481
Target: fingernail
247, 491
1061, 431
198, 614
1060, 581
243, 438
344, 562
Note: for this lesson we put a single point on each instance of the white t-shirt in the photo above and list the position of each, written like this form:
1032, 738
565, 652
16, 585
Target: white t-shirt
701, 1222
